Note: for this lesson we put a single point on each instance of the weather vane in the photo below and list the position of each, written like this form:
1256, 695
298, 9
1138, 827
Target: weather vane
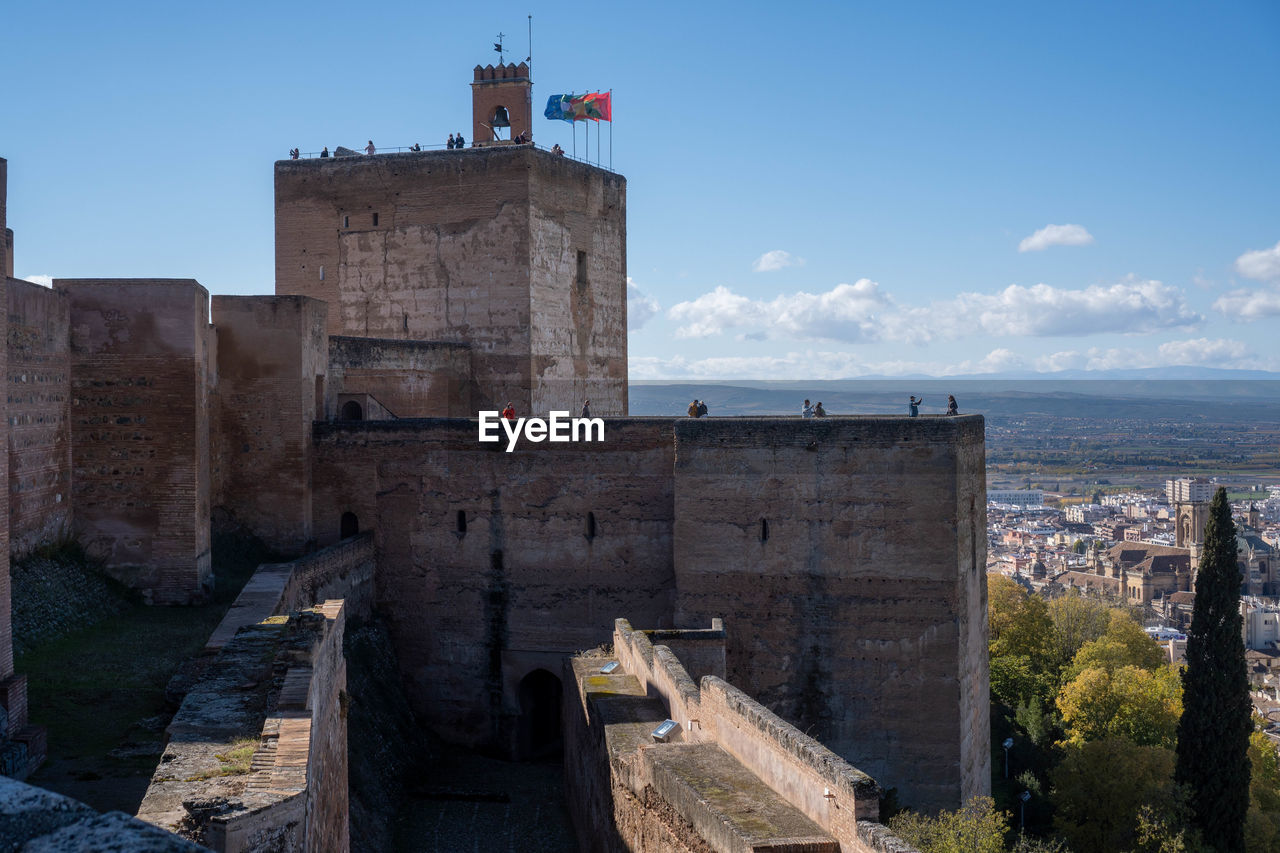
497, 46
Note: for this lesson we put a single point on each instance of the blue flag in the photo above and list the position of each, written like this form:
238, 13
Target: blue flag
560, 107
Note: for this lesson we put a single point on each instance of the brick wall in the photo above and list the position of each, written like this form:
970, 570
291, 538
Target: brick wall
39, 399
140, 367
272, 362
507, 85
846, 556
411, 379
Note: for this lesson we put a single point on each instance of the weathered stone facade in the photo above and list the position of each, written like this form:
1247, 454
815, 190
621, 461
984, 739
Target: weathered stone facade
514, 251
39, 415
140, 375
271, 369
845, 555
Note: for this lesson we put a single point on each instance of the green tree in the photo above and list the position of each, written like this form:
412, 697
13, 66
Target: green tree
976, 828
1018, 622
1262, 825
1124, 643
1213, 734
1076, 620
1100, 788
1138, 704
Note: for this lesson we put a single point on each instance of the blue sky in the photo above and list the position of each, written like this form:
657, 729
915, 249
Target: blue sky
814, 190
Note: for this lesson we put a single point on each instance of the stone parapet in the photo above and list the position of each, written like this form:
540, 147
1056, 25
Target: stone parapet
283, 679
731, 776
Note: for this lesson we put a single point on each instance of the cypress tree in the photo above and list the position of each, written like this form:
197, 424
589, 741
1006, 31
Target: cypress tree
1213, 734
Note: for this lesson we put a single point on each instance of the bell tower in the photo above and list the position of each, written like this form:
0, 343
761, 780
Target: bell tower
501, 103
1189, 528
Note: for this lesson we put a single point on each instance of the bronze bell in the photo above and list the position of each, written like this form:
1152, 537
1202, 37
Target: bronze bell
500, 118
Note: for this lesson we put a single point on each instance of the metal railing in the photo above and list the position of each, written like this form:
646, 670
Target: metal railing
422, 149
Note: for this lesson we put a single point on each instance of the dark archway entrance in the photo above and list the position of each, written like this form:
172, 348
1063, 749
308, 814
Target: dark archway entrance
350, 525
539, 729
351, 411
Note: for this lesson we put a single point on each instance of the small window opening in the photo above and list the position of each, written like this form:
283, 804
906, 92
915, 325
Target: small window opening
582, 268
322, 272
590, 532
352, 411
350, 525
375, 220
462, 521
764, 530
346, 222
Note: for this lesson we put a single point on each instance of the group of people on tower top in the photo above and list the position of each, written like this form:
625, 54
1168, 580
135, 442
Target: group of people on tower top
456, 141
913, 407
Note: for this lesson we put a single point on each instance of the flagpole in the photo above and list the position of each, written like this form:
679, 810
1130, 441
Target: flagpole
610, 130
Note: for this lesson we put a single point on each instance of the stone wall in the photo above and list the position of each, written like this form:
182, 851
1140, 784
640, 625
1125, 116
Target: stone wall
35, 819
846, 556
477, 246
141, 372
412, 379
578, 286
493, 565
640, 794
285, 679
39, 414
272, 362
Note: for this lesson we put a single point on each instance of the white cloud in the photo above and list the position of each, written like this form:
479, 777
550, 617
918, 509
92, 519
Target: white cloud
862, 312
1196, 352
42, 280
641, 308
776, 260
1056, 235
1260, 264
847, 312
1250, 304
1132, 306
820, 364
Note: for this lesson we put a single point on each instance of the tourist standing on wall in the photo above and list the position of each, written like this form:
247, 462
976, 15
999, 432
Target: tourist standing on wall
586, 408
807, 410
695, 409
509, 412
952, 408
702, 408
914, 406
449, 144
369, 149
818, 411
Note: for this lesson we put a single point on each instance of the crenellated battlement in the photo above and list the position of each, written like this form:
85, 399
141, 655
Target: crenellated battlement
502, 71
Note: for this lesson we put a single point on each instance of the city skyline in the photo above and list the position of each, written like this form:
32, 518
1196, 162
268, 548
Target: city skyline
829, 193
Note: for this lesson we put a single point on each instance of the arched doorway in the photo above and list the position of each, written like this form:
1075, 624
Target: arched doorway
539, 729
352, 411
349, 526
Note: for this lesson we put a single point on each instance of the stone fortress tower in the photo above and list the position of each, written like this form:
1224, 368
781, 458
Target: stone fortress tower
845, 556
507, 250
